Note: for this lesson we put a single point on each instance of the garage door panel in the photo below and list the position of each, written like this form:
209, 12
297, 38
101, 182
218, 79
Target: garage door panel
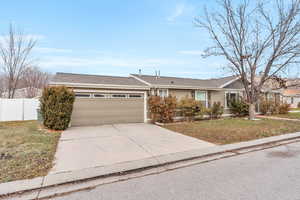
101, 121
93, 111
112, 114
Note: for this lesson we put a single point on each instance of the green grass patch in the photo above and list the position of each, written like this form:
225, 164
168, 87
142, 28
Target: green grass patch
290, 115
295, 109
232, 130
26, 151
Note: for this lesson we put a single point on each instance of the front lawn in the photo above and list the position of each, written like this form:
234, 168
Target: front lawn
295, 109
25, 151
232, 130
290, 115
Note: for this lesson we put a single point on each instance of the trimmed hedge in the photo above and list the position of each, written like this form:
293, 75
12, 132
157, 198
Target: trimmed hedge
239, 108
191, 108
216, 110
56, 106
284, 108
162, 109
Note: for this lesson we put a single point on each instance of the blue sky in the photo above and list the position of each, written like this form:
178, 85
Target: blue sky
115, 37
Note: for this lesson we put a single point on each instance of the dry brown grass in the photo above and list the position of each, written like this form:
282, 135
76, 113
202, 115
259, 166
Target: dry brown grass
232, 130
26, 151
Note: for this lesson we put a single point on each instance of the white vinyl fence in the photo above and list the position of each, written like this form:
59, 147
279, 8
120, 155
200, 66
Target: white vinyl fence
18, 109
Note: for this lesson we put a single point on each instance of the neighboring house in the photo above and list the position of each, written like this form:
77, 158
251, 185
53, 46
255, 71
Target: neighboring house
291, 96
112, 99
25, 93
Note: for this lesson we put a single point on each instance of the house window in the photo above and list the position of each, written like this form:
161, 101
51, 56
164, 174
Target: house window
270, 96
162, 92
82, 95
230, 97
119, 95
135, 95
99, 95
202, 97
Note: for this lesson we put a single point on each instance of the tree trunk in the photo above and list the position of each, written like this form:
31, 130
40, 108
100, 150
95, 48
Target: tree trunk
252, 111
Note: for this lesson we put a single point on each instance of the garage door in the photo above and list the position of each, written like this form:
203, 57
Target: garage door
98, 109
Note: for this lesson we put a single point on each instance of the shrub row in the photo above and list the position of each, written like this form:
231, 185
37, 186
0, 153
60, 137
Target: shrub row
241, 108
271, 107
163, 109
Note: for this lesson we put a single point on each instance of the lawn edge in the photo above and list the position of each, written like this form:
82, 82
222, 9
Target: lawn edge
121, 169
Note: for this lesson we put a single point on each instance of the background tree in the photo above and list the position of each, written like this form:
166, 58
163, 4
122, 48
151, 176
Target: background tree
15, 52
259, 39
2, 85
34, 79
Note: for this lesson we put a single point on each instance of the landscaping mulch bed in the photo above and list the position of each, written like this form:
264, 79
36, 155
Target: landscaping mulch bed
26, 150
232, 130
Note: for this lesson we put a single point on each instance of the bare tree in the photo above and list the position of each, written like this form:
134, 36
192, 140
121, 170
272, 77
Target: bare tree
15, 52
33, 80
2, 85
259, 39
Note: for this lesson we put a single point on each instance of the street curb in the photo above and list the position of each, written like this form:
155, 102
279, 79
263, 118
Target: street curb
51, 180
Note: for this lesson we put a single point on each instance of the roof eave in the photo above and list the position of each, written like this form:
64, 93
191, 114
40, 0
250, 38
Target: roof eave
229, 82
105, 86
192, 87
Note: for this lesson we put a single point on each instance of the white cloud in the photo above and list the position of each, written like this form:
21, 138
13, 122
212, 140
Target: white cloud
178, 11
192, 52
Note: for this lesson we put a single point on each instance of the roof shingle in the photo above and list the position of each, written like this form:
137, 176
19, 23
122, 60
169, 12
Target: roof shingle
176, 81
95, 79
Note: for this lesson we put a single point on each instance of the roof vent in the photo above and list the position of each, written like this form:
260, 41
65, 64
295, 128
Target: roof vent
172, 82
140, 72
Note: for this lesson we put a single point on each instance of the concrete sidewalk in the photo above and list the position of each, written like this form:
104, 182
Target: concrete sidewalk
97, 146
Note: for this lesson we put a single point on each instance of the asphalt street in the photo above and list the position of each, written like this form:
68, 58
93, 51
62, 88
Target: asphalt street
271, 174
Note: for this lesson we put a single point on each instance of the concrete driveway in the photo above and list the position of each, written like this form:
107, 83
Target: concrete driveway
95, 146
